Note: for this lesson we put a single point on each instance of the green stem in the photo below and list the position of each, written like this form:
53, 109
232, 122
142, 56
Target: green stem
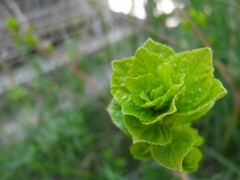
181, 176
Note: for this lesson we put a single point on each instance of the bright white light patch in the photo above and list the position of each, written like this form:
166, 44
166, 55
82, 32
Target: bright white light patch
165, 6
122, 6
172, 22
134, 7
139, 10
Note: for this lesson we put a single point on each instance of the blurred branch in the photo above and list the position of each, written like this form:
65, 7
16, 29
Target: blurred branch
196, 30
236, 100
18, 14
223, 160
226, 3
233, 23
6, 70
232, 55
144, 27
180, 175
88, 80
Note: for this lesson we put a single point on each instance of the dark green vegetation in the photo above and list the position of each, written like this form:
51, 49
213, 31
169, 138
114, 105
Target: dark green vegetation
64, 131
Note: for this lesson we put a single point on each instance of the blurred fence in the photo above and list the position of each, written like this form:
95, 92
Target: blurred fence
53, 21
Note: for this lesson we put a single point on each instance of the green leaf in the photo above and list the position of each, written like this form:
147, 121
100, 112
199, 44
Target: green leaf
150, 87
171, 155
158, 133
136, 86
191, 160
120, 69
159, 49
164, 100
145, 62
114, 110
164, 74
157, 92
197, 68
141, 151
216, 92
144, 89
198, 140
147, 115
144, 114
13, 24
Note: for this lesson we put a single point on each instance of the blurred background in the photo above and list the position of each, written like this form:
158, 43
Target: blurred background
55, 68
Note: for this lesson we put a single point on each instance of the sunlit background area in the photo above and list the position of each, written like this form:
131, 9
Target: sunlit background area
55, 71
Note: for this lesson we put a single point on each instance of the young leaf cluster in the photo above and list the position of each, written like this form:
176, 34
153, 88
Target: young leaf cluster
157, 95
